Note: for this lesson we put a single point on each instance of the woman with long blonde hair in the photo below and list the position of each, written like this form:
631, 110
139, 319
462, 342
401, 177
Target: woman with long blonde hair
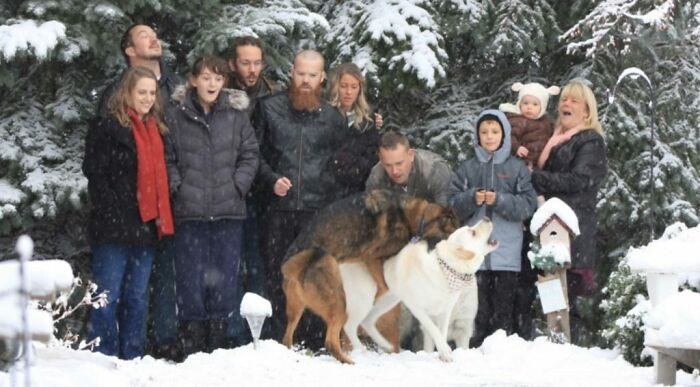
572, 167
359, 154
130, 209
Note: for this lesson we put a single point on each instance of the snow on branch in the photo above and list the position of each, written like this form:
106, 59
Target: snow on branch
613, 17
27, 36
411, 34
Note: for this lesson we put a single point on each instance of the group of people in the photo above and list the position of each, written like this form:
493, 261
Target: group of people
198, 188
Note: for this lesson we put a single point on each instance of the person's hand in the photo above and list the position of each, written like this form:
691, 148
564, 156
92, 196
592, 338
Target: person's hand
490, 198
378, 120
282, 186
480, 196
522, 151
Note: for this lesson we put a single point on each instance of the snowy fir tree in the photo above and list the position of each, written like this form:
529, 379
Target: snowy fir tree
433, 65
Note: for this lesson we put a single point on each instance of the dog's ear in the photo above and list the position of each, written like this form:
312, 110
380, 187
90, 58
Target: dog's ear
377, 200
464, 254
457, 251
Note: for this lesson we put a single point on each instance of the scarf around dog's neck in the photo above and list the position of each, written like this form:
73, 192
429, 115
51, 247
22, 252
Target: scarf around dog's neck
456, 281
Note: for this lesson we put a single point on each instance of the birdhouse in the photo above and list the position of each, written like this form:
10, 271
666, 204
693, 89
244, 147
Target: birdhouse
555, 231
555, 224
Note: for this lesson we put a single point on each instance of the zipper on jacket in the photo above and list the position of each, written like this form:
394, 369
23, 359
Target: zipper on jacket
301, 152
194, 115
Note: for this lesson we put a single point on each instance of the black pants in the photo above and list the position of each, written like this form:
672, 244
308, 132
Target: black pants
279, 229
496, 300
525, 293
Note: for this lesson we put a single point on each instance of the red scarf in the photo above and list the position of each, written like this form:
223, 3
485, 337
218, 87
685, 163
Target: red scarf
151, 178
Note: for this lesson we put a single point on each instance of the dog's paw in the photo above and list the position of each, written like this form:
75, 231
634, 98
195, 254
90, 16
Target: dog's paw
446, 356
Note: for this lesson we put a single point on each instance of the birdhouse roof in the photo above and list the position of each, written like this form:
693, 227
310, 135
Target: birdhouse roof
554, 208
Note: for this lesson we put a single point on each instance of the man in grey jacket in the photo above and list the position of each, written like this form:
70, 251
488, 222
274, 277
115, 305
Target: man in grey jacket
416, 172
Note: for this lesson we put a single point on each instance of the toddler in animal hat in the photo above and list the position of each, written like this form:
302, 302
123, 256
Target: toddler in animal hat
528, 119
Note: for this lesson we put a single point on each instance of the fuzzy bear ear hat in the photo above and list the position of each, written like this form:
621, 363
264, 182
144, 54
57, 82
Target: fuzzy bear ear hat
534, 89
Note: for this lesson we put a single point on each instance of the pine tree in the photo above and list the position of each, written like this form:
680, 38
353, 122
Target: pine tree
652, 36
396, 42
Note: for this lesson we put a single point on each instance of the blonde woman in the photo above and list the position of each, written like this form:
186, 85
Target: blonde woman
359, 153
128, 188
572, 166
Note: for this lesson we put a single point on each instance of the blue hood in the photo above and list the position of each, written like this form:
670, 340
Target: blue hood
501, 153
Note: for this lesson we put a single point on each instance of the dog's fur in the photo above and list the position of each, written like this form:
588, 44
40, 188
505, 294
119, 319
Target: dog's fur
367, 228
415, 278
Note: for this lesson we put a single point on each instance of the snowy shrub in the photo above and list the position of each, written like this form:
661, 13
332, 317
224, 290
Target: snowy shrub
69, 312
624, 307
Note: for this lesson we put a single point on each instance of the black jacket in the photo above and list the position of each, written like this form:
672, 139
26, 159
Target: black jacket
573, 173
211, 160
357, 156
110, 165
299, 146
166, 87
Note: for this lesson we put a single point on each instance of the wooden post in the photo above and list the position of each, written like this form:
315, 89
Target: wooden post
558, 321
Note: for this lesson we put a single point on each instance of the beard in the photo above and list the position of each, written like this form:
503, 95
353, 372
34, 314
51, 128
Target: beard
303, 100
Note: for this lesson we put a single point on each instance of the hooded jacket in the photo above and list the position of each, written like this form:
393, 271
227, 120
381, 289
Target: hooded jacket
212, 159
516, 199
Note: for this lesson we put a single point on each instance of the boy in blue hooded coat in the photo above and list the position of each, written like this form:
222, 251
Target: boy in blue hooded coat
497, 185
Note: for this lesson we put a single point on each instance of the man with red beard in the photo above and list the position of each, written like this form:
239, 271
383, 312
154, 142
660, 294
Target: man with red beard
298, 133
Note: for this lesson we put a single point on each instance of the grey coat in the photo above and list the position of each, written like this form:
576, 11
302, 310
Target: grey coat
516, 199
429, 178
211, 159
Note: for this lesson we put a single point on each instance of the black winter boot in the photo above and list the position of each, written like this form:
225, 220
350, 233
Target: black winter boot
193, 335
216, 337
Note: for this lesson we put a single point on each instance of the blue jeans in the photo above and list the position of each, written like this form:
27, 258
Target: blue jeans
123, 272
163, 324
207, 255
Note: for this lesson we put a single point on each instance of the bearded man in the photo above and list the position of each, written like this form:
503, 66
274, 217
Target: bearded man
298, 133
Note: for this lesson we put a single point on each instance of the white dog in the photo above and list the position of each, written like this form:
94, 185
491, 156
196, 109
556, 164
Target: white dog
429, 283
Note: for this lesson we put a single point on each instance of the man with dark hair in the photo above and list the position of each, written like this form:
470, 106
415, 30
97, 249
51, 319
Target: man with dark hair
416, 172
298, 133
141, 47
246, 61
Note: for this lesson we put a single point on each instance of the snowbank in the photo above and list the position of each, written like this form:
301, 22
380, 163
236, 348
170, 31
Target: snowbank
678, 253
501, 361
675, 322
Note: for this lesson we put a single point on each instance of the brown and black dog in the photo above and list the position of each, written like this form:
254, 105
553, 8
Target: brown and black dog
369, 227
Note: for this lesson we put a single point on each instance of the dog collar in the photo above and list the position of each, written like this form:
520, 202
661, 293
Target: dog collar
456, 281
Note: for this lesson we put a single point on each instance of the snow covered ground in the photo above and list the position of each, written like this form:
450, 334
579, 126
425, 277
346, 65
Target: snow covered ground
501, 361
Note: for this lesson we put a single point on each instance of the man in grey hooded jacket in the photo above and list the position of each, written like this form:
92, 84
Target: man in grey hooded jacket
497, 185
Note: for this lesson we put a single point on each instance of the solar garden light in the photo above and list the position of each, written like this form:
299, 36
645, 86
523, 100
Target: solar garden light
255, 308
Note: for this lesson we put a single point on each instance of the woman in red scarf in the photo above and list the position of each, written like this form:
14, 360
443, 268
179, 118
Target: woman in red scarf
128, 188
